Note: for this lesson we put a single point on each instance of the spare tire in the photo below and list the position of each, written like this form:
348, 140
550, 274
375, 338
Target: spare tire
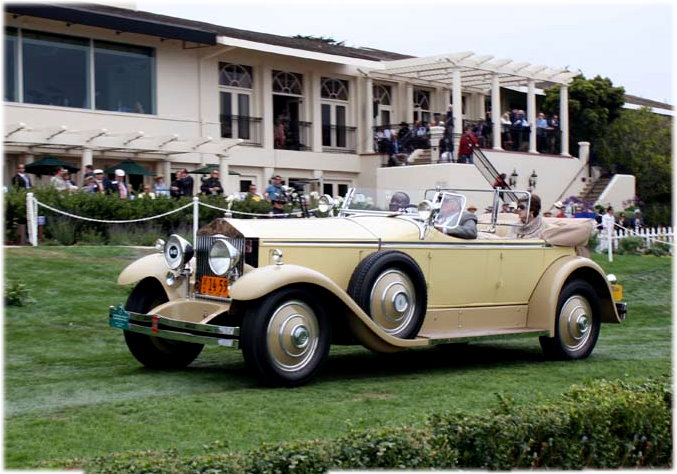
390, 287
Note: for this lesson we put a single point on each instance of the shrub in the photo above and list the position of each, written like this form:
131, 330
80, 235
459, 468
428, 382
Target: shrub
659, 249
603, 425
630, 246
17, 294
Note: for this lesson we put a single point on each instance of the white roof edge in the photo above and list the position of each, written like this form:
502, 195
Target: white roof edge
656, 110
299, 53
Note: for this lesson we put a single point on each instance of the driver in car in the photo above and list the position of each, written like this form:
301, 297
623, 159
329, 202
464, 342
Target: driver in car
449, 214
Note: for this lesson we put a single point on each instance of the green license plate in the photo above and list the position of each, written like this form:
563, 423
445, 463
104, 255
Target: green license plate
118, 318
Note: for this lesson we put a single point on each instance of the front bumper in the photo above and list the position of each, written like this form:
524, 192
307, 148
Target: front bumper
168, 328
622, 309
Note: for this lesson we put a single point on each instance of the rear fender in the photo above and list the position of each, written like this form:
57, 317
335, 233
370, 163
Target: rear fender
543, 303
264, 280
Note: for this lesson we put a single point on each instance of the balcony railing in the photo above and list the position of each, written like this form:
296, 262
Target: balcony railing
339, 138
241, 126
293, 136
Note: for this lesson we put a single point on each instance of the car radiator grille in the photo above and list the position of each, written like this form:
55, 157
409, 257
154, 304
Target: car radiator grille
202, 245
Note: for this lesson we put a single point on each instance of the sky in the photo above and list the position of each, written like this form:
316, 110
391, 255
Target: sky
631, 43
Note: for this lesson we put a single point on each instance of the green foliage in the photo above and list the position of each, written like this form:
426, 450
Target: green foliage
600, 425
630, 246
17, 294
639, 142
593, 105
659, 249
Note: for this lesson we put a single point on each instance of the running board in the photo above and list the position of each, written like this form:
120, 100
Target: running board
474, 335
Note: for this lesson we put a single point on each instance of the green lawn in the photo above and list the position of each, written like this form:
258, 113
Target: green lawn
73, 390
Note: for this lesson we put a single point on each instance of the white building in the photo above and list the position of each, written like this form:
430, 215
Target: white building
94, 84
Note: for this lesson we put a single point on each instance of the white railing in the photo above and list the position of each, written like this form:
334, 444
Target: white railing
650, 236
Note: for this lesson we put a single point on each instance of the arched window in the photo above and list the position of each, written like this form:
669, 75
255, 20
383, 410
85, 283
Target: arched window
287, 83
235, 75
382, 94
336, 89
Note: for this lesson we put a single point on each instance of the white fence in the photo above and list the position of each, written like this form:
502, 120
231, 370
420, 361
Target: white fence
650, 235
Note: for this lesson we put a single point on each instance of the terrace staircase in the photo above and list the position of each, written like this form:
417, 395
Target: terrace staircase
594, 189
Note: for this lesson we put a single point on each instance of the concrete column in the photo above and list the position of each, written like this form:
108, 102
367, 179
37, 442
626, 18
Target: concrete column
367, 115
267, 119
409, 103
531, 114
85, 159
496, 111
319, 176
457, 102
316, 111
225, 176
584, 151
436, 134
165, 170
481, 106
564, 118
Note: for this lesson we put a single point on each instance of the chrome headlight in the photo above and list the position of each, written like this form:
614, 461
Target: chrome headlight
223, 256
178, 252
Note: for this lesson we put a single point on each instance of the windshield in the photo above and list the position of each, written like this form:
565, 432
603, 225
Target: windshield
492, 206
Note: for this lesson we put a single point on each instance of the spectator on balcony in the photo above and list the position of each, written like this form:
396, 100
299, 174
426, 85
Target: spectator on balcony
500, 182
506, 143
541, 133
404, 137
520, 127
212, 186
280, 134
119, 186
465, 147
553, 134
446, 146
182, 185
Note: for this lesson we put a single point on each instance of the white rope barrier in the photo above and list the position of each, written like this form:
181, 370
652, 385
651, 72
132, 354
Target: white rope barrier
103, 221
254, 214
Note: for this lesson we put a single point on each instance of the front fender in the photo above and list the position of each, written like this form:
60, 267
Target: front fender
543, 302
152, 266
264, 280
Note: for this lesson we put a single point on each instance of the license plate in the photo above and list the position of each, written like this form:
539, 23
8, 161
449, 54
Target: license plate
214, 286
119, 318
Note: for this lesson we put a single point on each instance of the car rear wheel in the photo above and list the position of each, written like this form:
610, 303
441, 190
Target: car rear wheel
390, 287
577, 325
156, 352
285, 337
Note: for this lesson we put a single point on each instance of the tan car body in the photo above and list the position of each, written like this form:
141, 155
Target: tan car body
476, 288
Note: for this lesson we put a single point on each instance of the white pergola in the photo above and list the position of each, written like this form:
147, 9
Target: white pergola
476, 73
39, 140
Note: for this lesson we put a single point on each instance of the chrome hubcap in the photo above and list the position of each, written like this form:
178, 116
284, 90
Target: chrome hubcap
392, 301
292, 336
575, 322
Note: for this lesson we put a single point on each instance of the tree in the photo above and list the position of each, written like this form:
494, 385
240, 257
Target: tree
322, 39
593, 105
639, 142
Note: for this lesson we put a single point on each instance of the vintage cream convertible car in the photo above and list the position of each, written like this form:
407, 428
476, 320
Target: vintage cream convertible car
284, 290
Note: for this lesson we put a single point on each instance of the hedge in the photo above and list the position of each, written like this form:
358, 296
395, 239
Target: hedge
600, 425
66, 231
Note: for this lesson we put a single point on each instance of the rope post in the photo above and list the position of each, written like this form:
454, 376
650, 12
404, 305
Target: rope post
32, 219
196, 217
610, 241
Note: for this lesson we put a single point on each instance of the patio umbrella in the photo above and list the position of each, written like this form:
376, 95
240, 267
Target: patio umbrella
47, 166
209, 168
130, 167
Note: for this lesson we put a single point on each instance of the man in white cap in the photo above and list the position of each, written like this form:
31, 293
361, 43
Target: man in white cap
119, 186
560, 209
101, 183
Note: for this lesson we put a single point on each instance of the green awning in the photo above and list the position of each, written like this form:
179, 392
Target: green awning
209, 168
130, 167
48, 165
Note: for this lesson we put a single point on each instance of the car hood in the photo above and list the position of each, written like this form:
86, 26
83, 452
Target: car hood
355, 228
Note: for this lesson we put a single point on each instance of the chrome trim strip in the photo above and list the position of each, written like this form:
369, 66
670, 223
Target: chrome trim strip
315, 243
180, 336
517, 335
331, 243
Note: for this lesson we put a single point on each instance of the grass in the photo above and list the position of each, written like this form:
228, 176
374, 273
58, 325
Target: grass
73, 390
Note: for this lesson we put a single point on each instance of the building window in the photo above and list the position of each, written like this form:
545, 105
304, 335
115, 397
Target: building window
422, 105
236, 75
336, 89
123, 77
235, 115
69, 71
55, 69
382, 94
383, 104
287, 83
10, 65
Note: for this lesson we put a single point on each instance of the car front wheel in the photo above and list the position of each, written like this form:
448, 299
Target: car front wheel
577, 325
285, 337
155, 352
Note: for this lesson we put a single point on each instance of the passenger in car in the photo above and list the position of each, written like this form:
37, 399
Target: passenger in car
449, 212
532, 223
